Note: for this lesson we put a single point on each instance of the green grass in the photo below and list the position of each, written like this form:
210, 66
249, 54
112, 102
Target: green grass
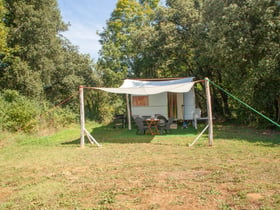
129, 171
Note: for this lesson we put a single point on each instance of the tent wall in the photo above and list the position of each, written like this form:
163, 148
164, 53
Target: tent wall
157, 104
189, 104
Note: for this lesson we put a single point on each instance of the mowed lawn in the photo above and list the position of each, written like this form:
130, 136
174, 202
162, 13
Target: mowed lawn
241, 170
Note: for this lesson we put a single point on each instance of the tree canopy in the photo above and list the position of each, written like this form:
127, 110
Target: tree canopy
234, 43
43, 64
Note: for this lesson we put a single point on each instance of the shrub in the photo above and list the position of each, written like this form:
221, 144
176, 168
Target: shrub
19, 112
60, 117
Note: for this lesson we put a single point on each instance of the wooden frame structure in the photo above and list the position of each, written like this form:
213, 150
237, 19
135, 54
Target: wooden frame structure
82, 121
92, 140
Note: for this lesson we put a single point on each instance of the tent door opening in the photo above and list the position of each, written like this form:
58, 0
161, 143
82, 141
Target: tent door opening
175, 104
172, 105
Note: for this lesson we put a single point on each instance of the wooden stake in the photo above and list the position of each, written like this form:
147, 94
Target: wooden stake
190, 145
128, 112
209, 112
82, 117
91, 139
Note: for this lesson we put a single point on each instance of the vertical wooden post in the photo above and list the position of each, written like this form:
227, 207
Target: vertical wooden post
128, 112
209, 112
82, 117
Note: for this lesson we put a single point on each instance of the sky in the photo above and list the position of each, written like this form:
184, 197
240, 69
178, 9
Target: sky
86, 17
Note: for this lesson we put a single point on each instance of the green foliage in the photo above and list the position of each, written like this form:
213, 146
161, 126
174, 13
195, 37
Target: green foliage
19, 76
33, 29
75, 69
3, 32
101, 106
57, 118
234, 43
241, 47
164, 47
44, 65
118, 58
19, 113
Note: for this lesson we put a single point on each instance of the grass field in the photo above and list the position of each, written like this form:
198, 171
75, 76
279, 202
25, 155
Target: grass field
241, 170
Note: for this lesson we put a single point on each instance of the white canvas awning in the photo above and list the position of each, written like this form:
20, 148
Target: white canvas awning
139, 87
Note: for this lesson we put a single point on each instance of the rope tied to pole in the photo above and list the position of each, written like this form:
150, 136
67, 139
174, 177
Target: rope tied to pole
243, 103
39, 117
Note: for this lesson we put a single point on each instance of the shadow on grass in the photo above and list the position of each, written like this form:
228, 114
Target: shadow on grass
229, 132
265, 137
109, 134
129, 136
73, 142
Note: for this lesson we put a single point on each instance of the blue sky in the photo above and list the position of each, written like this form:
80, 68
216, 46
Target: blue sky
86, 18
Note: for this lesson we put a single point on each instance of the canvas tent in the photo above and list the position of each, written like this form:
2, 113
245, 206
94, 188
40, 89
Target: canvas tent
168, 97
150, 88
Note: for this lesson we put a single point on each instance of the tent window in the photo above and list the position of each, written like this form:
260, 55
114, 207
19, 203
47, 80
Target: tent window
140, 100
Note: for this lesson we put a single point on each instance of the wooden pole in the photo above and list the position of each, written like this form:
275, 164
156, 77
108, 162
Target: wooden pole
209, 112
128, 112
82, 117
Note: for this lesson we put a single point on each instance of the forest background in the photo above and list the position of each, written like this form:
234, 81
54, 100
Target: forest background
234, 43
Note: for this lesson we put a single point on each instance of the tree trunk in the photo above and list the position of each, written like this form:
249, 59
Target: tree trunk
226, 110
278, 109
217, 105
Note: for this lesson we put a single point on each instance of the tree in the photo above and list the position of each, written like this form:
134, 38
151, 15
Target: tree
117, 57
75, 69
233, 42
34, 27
165, 45
45, 64
3, 31
244, 42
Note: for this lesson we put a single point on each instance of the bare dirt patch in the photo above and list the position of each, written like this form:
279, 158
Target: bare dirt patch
6, 192
254, 196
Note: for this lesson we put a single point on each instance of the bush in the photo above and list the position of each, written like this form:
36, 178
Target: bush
59, 117
18, 112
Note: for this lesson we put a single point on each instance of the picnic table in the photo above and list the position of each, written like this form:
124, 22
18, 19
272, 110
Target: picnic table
153, 126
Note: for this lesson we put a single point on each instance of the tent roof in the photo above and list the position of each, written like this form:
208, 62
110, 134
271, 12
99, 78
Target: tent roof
141, 87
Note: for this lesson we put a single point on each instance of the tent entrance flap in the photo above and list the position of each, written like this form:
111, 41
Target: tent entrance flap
172, 105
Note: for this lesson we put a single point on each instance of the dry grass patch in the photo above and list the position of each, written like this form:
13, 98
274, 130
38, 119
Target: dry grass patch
142, 172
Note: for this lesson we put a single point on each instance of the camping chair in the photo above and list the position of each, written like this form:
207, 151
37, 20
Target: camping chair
134, 116
164, 124
119, 120
162, 120
141, 127
197, 116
